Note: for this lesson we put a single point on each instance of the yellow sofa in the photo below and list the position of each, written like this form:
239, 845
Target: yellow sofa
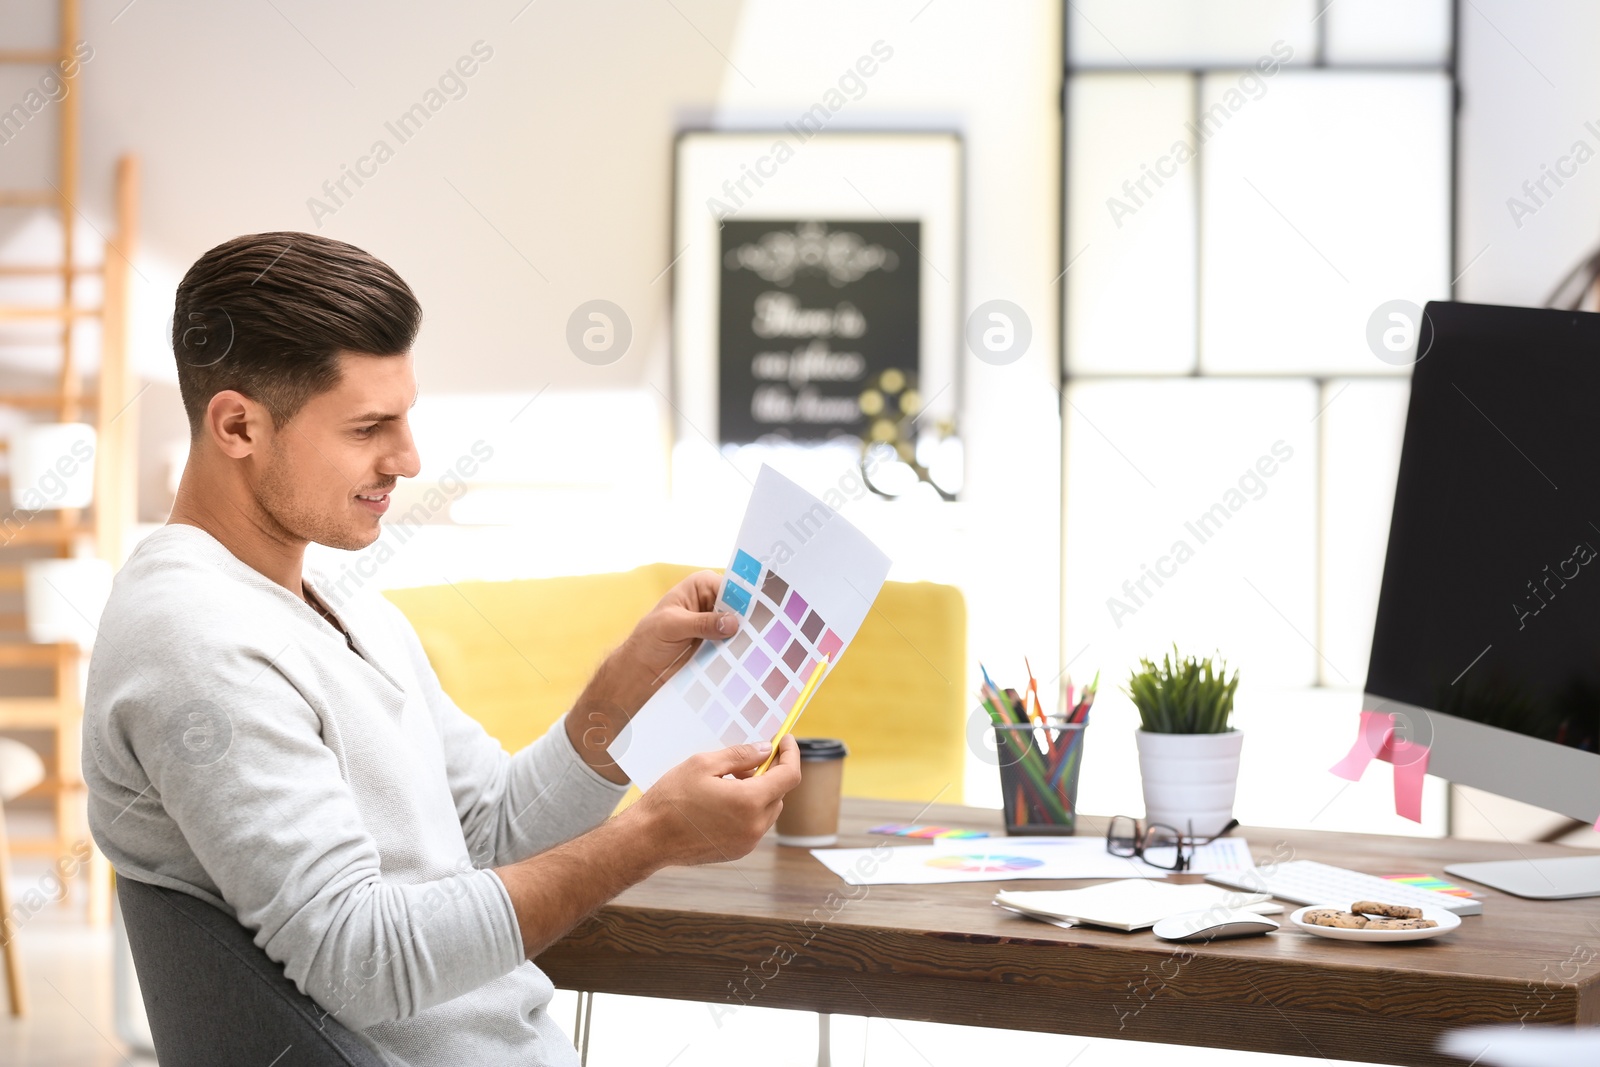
515, 655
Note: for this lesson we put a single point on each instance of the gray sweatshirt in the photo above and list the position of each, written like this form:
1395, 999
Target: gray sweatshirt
338, 804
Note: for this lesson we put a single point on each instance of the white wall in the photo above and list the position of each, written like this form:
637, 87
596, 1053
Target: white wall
561, 141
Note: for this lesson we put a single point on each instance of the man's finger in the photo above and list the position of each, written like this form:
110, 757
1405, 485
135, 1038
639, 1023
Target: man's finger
698, 592
703, 588
684, 625
784, 774
737, 758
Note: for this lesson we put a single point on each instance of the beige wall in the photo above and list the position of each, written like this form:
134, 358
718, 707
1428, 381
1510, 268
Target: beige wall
544, 185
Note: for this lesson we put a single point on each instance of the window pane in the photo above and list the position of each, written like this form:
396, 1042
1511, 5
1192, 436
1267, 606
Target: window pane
1388, 31
1187, 33
1130, 225
1362, 424
1190, 517
1323, 196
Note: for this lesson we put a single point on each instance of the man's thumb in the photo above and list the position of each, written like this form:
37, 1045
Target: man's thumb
717, 623
738, 758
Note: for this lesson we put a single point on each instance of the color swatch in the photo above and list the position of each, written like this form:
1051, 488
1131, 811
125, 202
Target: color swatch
768, 657
801, 580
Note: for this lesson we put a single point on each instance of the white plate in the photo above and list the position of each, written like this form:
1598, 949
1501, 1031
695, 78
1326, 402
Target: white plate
1447, 921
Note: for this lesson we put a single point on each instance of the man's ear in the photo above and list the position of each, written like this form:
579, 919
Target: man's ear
237, 425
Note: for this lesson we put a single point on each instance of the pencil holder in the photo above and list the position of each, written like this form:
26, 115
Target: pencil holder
1039, 776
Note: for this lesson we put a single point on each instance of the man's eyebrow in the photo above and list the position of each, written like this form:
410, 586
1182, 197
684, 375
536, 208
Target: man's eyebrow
381, 416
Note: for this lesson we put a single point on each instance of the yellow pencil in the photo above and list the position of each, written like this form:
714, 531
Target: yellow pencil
794, 712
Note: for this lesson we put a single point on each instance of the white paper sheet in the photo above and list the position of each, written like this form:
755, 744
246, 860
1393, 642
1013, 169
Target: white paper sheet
996, 860
1223, 854
801, 579
1131, 905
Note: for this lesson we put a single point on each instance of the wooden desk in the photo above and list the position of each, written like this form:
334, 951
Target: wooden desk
777, 929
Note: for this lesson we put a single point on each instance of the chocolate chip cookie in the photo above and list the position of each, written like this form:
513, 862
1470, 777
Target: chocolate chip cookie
1329, 917
1387, 911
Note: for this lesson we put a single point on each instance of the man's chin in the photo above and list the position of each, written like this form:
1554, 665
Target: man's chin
353, 540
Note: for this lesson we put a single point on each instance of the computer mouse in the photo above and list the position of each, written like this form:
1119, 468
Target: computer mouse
1212, 924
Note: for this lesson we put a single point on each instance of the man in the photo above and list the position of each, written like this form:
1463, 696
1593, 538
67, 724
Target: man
301, 767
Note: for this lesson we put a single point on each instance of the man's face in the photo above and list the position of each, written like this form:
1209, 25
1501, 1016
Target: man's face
329, 469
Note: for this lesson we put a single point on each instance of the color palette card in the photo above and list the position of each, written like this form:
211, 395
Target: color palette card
801, 581
900, 829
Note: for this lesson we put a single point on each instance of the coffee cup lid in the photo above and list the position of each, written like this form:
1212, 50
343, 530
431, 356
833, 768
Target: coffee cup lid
820, 748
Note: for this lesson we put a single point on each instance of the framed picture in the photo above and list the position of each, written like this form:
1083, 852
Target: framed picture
817, 288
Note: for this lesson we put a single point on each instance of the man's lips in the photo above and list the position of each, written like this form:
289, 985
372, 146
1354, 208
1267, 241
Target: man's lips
375, 502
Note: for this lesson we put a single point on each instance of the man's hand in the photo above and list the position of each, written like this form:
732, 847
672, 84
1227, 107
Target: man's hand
664, 639
661, 643
696, 815
693, 815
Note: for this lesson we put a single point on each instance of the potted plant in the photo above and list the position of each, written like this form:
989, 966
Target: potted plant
1188, 754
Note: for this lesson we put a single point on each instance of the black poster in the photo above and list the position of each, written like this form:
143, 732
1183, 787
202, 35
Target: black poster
812, 315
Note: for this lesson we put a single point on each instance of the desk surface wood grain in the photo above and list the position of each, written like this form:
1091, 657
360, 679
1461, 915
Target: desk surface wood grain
777, 929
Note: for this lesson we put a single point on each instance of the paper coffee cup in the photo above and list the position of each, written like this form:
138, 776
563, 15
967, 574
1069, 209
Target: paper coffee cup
810, 816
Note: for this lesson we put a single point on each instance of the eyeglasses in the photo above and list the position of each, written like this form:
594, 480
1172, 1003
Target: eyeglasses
1157, 844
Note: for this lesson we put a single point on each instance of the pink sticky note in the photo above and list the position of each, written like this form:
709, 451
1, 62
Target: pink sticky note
1377, 728
1410, 768
1376, 740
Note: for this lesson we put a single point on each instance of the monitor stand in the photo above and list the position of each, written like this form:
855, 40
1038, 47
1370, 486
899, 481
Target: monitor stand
1560, 878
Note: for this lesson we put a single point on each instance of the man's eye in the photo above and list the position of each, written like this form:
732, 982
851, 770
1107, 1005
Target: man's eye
366, 431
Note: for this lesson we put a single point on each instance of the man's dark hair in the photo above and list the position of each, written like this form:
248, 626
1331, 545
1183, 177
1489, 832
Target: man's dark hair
267, 315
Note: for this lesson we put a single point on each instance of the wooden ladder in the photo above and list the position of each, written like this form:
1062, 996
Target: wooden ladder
60, 533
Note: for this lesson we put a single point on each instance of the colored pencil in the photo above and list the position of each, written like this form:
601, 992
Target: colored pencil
1035, 771
794, 712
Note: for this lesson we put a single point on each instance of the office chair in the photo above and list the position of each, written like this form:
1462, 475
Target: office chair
213, 996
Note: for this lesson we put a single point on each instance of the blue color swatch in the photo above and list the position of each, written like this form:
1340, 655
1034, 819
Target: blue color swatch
736, 597
746, 566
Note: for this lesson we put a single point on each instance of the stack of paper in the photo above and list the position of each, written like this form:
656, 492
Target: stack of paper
1133, 904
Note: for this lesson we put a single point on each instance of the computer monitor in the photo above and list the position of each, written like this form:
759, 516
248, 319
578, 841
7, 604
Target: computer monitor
1487, 642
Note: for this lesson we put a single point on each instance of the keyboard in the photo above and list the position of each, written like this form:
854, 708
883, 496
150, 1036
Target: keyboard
1310, 882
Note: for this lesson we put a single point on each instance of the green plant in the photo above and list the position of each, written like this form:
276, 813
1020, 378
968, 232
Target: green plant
1183, 695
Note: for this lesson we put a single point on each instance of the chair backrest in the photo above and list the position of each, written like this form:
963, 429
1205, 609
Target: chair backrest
213, 996
514, 655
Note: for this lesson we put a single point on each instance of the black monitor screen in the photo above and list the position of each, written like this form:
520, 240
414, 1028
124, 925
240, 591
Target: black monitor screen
1490, 608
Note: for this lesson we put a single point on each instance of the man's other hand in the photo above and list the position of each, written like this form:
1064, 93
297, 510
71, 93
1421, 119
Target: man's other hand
664, 639
660, 644
696, 814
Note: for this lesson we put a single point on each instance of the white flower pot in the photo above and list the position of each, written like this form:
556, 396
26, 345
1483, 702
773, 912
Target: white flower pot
1189, 779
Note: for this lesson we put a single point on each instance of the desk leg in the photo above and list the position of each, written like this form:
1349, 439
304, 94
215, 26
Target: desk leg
580, 1026
824, 1041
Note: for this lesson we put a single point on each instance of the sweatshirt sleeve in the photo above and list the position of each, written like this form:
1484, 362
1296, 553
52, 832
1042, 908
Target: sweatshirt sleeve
511, 806
242, 770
